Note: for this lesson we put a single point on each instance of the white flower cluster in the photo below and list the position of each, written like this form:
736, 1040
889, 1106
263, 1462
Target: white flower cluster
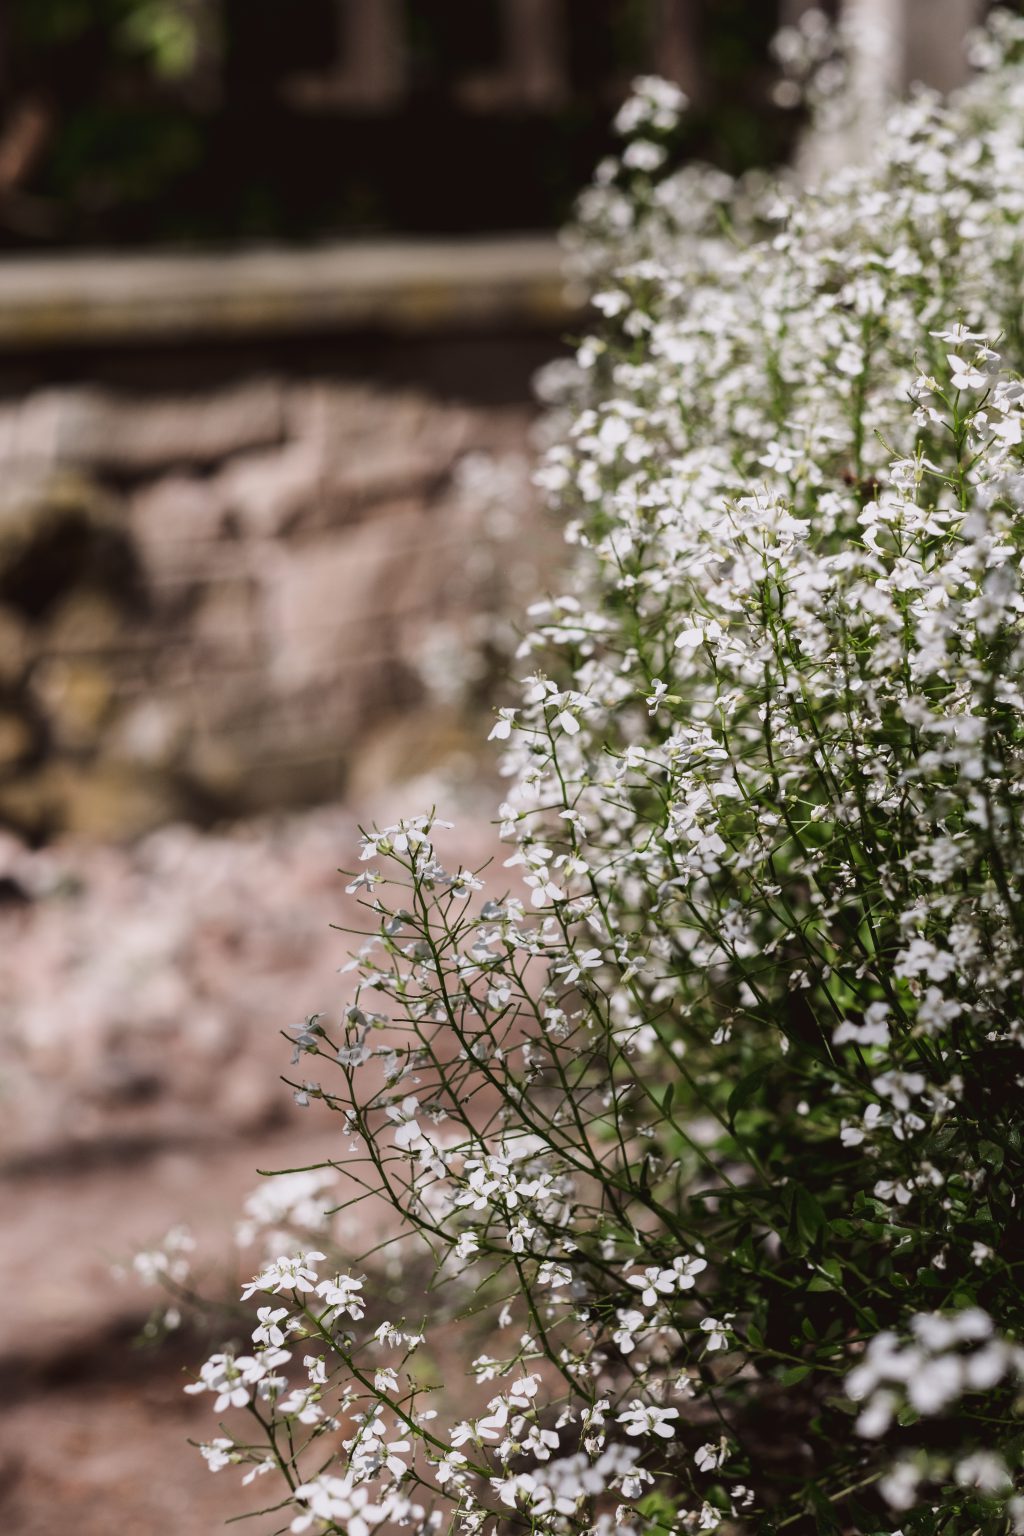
726, 1084
943, 1358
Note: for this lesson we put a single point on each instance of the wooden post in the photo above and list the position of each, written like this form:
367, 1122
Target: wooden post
790, 11
675, 44
875, 31
202, 87
878, 29
935, 32
534, 76
905, 41
369, 70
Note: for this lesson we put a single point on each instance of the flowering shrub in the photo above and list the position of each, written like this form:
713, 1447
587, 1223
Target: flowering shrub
710, 1127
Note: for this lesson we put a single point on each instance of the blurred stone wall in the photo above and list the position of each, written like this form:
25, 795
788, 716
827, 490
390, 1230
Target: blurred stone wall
218, 601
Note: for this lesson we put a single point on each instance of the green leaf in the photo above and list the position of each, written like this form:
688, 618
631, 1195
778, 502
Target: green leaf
795, 1373
806, 1219
746, 1089
992, 1156
825, 1514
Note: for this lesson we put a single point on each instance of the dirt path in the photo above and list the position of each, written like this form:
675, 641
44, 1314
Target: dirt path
142, 994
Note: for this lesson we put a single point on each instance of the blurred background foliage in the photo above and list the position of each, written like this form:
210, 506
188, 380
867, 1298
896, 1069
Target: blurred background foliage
141, 121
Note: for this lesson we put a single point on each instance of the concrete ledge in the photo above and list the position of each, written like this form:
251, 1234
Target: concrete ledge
401, 287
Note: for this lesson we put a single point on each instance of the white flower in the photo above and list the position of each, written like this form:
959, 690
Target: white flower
936, 1383
343, 1297
646, 1419
502, 728
698, 634
717, 1332
642, 155
467, 1246
710, 1457
554, 1274
218, 1453
657, 695
450, 1466
873, 1031
285, 1274
232, 1378
316, 1369
654, 1282
629, 1324
985, 1471
301, 1405
899, 1087
965, 375
260, 1469
268, 1331
577, 964
899, 1485
878, 1415
922, 958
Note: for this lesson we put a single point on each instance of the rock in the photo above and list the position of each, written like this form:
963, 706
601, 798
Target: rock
19, 738
75, 696
83, 623
174, 512
152, 732
256, 601
216, 774
15, 648
418, 741
252, 1100
268, 493
106, 801
225, 621
115, 802
59, 532
131, 435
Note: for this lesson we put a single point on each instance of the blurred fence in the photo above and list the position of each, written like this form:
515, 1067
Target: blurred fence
147, 120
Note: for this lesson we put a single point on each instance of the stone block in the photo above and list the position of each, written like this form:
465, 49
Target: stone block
328, 598
74, 695
225, 620
83, 623
377, 446
60, 531
15, 648
151, 730
267, 493
102, 802
129, 435
176, 510
19, 737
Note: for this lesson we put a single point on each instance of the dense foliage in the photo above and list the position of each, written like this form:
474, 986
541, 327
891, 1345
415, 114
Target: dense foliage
716, 1124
